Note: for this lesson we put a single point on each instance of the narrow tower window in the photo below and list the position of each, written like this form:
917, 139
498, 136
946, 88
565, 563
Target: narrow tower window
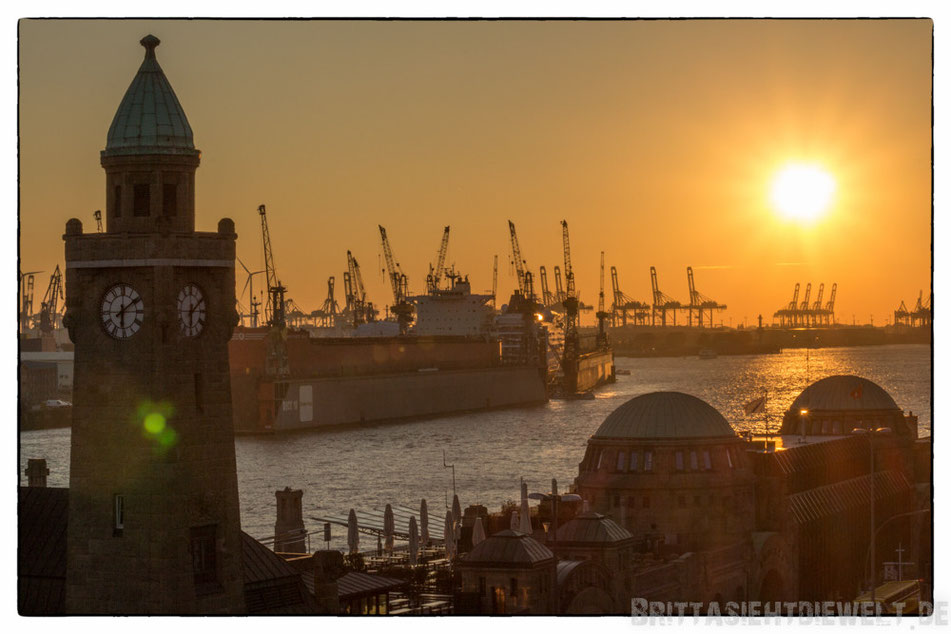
117, 201
141, 202
118, 515
169, 199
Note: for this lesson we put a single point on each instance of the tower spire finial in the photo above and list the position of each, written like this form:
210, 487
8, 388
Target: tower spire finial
150, 42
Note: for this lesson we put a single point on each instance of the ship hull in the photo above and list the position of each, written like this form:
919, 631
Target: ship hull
295, 404
594, 369
333, 382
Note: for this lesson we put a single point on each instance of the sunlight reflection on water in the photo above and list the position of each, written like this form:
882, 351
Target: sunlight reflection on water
371, 466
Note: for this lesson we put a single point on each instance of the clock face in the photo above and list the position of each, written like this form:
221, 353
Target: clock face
191, 310
122, 311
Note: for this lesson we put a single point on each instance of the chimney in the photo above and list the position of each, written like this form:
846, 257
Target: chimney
289, 527
36, 472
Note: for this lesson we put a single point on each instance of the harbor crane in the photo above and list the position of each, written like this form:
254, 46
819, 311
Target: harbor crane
787, 314
401, 307
572, 350
49, 308
662, 303
274, 310
830, 307
601, 315
327, 313
495, 279
361, 311
27, 282
808, 314
622, 304
700, 303
559, 287
435, 274
518, 261
547, 298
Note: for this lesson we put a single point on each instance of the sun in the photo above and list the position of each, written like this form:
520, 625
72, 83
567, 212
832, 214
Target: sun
802, 191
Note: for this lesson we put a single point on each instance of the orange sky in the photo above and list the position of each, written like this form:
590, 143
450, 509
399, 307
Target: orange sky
656, 140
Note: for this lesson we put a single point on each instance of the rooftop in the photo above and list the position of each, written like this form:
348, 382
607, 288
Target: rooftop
844, 393
665, 415
592, 528
150, 120
509, 549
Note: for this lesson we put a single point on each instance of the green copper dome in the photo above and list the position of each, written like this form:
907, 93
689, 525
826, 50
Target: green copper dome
665, 415
150, 120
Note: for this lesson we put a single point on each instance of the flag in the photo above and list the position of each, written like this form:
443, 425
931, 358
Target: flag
856, 393
755, 406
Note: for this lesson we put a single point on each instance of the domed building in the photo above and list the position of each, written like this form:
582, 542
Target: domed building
836, 405
670, 469
511, 573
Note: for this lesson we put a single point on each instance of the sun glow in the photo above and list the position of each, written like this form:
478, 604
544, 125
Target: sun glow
802, 191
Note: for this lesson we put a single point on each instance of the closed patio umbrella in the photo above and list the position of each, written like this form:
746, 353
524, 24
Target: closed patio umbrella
413, 542
450, 536
478, 533
353, 533
456, 510
388, 527
525, 516
423, 523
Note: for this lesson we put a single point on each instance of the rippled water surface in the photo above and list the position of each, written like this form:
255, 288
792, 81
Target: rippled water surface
368, 467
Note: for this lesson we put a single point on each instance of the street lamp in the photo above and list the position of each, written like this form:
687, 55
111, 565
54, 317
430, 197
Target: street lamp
871, 434
555, 498
803, 415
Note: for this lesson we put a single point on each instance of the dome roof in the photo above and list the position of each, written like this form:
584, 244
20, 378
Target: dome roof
592, 527
509, 548
665, 415
149, 120
844, 392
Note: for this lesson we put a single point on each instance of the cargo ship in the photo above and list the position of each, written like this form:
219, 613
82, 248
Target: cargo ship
458, 357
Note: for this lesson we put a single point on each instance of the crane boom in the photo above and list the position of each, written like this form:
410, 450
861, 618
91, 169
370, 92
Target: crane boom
274, 310
559, 289
440, 261
547, 298
569, 273
805, 299
495, 278
601, 293
392, 269
517, 258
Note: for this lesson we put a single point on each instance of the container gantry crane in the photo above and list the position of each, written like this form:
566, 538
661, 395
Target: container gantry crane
27, 282
700, 303
787, 314
559, 287
547, 298
49, 308
327, 314
622, 304
662, 303
398, 281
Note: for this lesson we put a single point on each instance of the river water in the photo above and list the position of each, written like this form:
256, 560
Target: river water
368, 467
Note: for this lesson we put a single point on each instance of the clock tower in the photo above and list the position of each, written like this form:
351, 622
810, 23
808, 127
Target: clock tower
154, 522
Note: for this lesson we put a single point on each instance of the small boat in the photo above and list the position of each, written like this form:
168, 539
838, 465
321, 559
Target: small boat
707, 353
620, 372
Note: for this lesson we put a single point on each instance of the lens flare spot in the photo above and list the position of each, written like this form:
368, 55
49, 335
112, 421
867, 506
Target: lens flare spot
154, 423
